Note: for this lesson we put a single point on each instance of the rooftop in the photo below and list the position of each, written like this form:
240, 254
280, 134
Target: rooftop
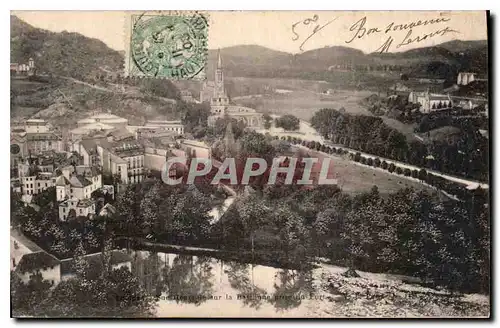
36, 261
35, 120
62, 181
79, 181
42, 136
92, 126
102, 116
195, 143
79, 202
22, 240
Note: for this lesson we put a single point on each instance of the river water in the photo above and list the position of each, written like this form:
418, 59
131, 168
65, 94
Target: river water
208, 287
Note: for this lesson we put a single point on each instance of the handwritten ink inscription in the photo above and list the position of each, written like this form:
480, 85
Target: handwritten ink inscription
309, 22
360, 30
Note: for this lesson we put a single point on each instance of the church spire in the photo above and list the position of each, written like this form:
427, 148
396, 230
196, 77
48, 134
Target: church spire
219, 60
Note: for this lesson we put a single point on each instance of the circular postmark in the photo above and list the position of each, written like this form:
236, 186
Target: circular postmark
170, 46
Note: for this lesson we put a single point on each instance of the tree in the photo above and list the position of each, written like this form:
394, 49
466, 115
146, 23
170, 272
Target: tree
288, 122
46, 197
267, 120
422, 174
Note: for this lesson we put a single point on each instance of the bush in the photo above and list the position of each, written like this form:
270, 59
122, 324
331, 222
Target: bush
288, 122
399, 170
357, 157
392, 167
384, 165
422, 175
363, 160
369, 161
414, 174
407, 172
376, 162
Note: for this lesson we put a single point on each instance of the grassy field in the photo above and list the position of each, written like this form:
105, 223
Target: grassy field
356, 179
304, 103
303, 98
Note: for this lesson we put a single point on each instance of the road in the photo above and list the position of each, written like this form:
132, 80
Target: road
104, 89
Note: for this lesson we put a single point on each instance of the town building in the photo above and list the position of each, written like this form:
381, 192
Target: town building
104, 118
430, 102
74, 207
34, 137
132, 154
220, 104
187, 96
18, 148
23, 69
194, 148
78, 182
35, 184
90, 129
464, 78
28, 259
174, 126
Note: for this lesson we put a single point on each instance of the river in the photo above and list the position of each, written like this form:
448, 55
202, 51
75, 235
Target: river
196, 286
193, 286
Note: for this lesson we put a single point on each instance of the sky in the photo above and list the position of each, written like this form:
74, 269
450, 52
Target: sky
289, 31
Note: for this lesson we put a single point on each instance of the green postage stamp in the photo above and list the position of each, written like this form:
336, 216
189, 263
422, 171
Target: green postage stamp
170, 45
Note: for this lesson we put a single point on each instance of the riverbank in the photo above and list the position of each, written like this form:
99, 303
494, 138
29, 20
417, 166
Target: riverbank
206, 287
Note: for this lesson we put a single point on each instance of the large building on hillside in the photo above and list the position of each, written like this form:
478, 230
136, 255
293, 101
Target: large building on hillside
465, 78
23, 69
220, 104
33, 138
104, 118
430, 102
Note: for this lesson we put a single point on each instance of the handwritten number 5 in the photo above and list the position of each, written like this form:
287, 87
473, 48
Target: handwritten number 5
296, 37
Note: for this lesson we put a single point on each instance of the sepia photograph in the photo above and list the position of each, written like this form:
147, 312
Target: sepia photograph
250, 164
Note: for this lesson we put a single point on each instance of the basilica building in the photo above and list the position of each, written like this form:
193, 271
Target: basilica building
220, 105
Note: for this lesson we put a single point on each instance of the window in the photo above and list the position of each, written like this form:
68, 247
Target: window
81, 211
64, 210
38, 184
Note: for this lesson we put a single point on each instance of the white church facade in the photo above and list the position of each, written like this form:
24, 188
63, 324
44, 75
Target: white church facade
220, 104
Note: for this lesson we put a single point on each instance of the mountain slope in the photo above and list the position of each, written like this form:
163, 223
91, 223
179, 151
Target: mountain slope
444, 60
461, 46
68, 54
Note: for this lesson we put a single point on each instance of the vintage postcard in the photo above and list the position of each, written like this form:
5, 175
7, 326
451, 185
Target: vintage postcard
294, 164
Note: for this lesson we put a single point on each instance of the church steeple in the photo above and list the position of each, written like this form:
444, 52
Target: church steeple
219, 60
219, 97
